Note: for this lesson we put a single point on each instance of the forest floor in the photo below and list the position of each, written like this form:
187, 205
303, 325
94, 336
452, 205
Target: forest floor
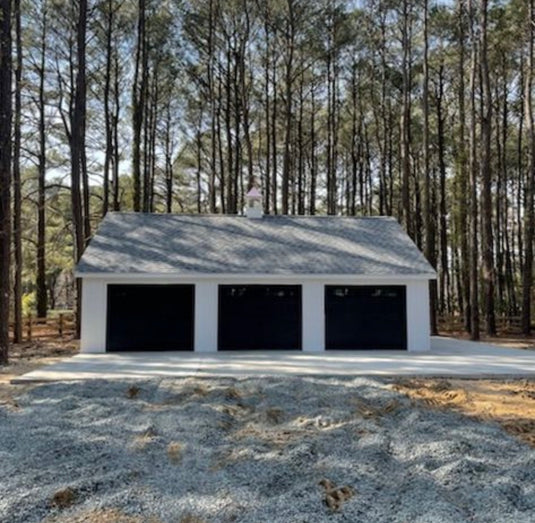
512, 341
511, 403
30, 355
207, 450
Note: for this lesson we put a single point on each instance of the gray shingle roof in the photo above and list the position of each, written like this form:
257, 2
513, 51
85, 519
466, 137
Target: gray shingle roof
284, 245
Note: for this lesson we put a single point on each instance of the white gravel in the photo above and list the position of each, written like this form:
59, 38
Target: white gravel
255, 450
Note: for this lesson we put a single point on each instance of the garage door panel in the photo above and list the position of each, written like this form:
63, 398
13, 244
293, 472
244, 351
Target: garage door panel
150, 317
259, 317
365, 317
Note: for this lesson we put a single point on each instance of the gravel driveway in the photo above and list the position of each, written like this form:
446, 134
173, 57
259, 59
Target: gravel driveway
254, 450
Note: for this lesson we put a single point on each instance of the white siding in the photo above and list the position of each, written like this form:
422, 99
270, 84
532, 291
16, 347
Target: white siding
94, 299
418, 328
313, 295
94, 305
206, 304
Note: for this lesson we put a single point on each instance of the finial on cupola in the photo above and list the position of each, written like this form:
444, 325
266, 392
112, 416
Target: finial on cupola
254, 203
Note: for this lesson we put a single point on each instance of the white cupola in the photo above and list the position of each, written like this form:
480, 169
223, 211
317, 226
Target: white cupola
254, 204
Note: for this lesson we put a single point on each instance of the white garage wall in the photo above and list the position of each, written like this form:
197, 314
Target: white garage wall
313, 296
94, 302
206, 304
94, 305
418, 327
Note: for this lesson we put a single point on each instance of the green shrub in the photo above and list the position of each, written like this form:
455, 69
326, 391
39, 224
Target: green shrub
28, 303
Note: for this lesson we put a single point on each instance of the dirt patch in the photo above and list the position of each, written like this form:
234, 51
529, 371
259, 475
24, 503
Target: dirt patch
26, 357
174, 452
368, 411
335, 496
141, 441
102, 516
64, 498
232, 393
201, 390
517, 342
505, 340
275, 415
509, 402
276, 437
188, 518
132, 392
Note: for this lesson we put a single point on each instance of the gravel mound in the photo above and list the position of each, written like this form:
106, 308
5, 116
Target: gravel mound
254, 449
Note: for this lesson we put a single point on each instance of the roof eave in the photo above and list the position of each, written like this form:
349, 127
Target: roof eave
254, 276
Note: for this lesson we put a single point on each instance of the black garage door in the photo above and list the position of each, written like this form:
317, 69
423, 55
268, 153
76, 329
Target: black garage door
150, 317
365, 317
259, 317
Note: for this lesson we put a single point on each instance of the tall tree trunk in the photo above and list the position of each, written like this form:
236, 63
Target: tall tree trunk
149, 139
198, 143
518, 230
107, 109
5, 174
430, 249
274, 135
384, 207
463, 192
212, 95
138, 103
331, 192
153, 135
237, 186
529, 218
115, 132
222, 181
41, 169
313, 156
86, 209
356, 141
17, 193
231, 197
300, 153
406, 121
501, 172
443, 230
267, 113
474, 211
288, 104
331, 153
77, 144
245, 85
486, 178
168, 163
146, 150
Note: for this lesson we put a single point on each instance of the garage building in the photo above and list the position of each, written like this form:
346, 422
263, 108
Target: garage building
206, 283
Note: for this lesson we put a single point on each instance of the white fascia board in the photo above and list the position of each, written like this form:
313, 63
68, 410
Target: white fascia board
169, 277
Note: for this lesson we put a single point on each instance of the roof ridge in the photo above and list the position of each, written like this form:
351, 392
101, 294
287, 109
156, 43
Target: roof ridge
268, 216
